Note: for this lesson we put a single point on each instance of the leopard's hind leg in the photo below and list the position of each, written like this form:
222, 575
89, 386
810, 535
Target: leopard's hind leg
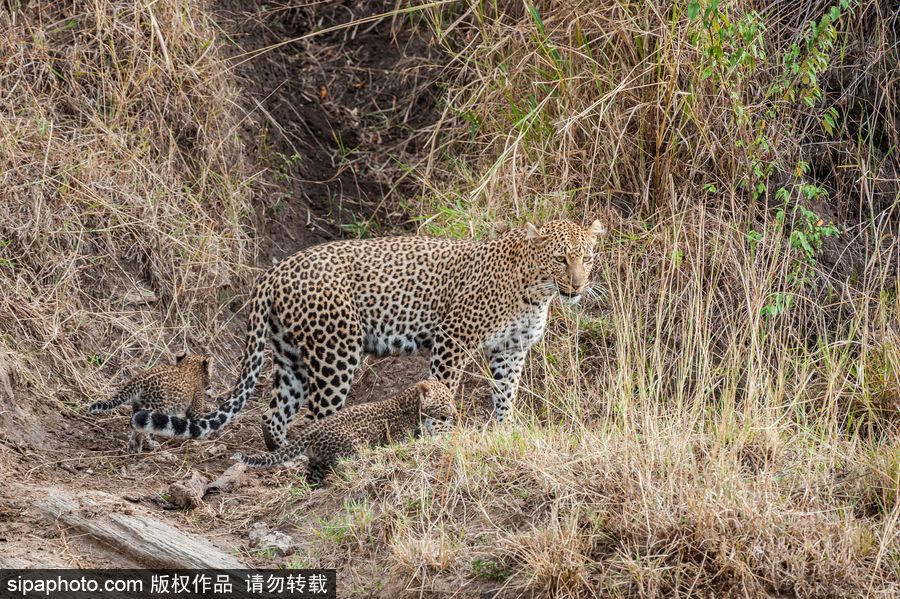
289, 391
315, 361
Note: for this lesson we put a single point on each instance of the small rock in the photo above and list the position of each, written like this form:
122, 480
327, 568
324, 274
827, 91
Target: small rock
278, 543
257, 531
229, 480
216, 450
189, 494
88, 471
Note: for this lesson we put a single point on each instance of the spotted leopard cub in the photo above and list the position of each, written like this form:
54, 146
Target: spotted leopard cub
179, 390
427, 406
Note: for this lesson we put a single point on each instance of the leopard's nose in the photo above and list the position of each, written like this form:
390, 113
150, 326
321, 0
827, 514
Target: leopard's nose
578, 279
578, 284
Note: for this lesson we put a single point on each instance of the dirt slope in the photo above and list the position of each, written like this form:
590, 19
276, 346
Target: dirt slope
331, 114
325, 119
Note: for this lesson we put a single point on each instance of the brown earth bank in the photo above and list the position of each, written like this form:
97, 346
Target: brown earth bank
338, 95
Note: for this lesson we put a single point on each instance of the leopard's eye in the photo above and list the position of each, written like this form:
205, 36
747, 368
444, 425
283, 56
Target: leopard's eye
588, 259
561, 259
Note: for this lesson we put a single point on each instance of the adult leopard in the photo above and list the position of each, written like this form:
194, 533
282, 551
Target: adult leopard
325, 306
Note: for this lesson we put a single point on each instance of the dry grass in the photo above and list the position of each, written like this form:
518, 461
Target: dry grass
670, 442
583, 511
584, 106
123, 189
720, 418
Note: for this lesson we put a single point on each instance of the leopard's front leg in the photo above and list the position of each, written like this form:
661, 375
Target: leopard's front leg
506, 369
448, 357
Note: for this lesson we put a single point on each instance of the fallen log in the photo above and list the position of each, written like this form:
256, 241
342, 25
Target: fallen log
143, 539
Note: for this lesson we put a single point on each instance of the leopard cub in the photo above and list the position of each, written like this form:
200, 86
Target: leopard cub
179, 390
426, 406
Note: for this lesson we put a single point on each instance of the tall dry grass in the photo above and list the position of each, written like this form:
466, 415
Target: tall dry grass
123, 190
637, 106
720, 417
670, 441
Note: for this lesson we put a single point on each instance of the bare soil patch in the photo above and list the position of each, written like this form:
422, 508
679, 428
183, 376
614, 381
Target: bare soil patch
332, 114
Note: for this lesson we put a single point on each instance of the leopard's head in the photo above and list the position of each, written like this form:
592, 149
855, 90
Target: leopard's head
197, 365
565, 256
436, 408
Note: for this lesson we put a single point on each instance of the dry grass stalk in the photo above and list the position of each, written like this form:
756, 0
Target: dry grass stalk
123, 189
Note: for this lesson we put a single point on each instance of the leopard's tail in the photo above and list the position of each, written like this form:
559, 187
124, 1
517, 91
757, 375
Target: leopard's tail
295, 452
126, 394
165, 425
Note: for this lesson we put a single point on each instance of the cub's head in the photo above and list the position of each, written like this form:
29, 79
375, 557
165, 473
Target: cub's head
195, 365
437, 410
565, 254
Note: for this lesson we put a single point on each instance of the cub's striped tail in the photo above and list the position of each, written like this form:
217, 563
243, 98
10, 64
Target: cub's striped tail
288, 456
126, 395
164, 425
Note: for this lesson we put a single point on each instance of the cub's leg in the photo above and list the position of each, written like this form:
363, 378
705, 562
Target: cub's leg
137, 441
150, 443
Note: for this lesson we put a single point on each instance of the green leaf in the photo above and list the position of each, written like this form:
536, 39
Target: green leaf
804, 243
693, 9
537, 17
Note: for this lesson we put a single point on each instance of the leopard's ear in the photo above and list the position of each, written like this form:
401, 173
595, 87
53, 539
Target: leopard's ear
207, 365
179, 357
597, 229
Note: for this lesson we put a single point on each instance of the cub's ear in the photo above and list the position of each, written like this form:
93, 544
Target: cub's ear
179, 357
207, 364
597, 229
531, 232
424, 391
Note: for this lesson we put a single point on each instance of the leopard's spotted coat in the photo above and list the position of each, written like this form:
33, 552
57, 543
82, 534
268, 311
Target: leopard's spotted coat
425, 407
179, 389
326, 306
